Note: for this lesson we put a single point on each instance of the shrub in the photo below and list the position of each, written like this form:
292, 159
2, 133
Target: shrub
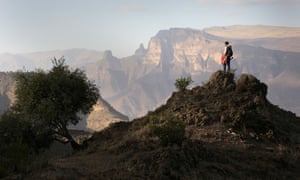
16, 144
182, 83
171, 131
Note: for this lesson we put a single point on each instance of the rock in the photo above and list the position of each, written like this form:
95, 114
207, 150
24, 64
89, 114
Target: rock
221, 80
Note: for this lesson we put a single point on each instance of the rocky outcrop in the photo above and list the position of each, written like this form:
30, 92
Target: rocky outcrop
239, 106
141, 51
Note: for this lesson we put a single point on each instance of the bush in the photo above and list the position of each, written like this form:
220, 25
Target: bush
182, 83
16, 144
171, 131
19, 158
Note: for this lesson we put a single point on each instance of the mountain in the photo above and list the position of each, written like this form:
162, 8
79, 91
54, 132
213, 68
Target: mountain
143, 81
102, 115
232, 131
11, 62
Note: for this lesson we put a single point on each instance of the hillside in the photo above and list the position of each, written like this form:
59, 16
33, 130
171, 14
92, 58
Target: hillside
232, 131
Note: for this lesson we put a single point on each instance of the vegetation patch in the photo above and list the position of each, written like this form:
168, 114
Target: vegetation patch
170, 131
182, 83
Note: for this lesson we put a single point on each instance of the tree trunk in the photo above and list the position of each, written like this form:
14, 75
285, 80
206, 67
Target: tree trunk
74, 144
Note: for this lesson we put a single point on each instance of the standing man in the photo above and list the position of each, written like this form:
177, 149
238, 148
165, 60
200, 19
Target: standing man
228, 53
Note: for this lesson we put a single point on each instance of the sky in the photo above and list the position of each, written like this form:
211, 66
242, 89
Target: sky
122, 25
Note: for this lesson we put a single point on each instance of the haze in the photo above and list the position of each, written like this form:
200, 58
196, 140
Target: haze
121, 25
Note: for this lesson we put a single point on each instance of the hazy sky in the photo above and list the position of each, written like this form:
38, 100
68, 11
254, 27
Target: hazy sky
121, 25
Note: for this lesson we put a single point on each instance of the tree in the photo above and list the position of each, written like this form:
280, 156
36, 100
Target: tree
52, 101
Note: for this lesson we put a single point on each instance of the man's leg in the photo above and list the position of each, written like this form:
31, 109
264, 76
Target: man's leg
228, 65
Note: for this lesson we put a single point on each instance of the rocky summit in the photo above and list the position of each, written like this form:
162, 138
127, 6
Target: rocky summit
238, 107
231, 131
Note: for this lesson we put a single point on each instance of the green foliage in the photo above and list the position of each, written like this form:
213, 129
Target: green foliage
51, 101
170, 131
182, 83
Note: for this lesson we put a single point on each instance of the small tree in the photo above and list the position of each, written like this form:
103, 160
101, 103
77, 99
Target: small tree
182, 83
51, 101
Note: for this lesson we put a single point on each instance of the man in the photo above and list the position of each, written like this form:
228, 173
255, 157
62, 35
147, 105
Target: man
228, 53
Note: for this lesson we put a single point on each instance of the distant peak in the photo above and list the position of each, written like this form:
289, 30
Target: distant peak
107, 54
141, 50
141, 46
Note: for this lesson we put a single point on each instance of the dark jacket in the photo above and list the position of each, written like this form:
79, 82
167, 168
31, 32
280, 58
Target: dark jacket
229, 52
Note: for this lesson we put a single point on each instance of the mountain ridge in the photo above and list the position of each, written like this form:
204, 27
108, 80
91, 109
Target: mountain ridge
258, 31
131, 83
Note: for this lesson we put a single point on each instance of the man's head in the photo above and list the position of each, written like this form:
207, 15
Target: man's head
226, 43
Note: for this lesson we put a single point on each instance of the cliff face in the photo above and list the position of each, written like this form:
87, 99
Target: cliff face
232, 131
191, 50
